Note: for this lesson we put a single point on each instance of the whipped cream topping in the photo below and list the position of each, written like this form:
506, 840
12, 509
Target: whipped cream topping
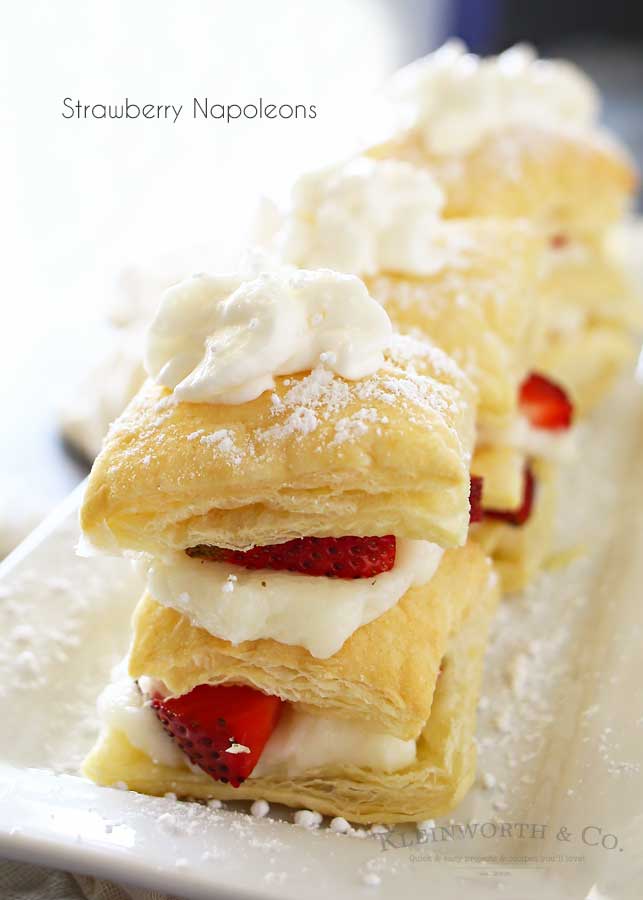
302, 743
363, 217
557, 446
216, 339
299, 743
315, 612
122, 706
454, 98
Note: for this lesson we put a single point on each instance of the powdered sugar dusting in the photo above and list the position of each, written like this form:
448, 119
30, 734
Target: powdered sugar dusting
223, 442
300, 422
351, 427
418, 383
462, 305
417, 379
54, 654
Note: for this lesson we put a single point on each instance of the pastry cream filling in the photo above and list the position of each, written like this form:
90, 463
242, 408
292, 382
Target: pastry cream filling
219, 339
300, 742
121, 706
558, 446
454, 98
315, 612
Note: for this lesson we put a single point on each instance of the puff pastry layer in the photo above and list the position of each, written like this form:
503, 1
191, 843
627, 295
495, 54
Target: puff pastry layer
588, 363
592, 292
518, 553
584, 280
557, 178
433, 785
384, 675
319, 456
502, 471
479, 306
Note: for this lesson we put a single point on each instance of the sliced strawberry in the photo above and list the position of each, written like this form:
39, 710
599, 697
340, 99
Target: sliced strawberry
545, 403
344, 557
476, 513
220, 728
517, 516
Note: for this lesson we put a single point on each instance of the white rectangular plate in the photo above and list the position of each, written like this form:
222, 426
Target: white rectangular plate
560, 730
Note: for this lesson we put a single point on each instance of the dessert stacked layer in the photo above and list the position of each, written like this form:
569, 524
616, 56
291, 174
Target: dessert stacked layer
296, 484
471, 286
514, 136
326, 453
474, 223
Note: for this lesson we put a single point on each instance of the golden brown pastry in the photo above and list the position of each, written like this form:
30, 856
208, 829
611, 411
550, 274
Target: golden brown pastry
585, 282
318, 456
444, 763
588, 363
297, 617
592, 314
479, 306
530, 171
471, 285
510, 136
482, 310
384, 674
516, 137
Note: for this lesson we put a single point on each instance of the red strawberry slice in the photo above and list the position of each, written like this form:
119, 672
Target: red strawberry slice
344, 557
545, 403
221, 728
476, 513
517, 516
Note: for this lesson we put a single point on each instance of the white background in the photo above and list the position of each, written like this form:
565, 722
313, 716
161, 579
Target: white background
81, 199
